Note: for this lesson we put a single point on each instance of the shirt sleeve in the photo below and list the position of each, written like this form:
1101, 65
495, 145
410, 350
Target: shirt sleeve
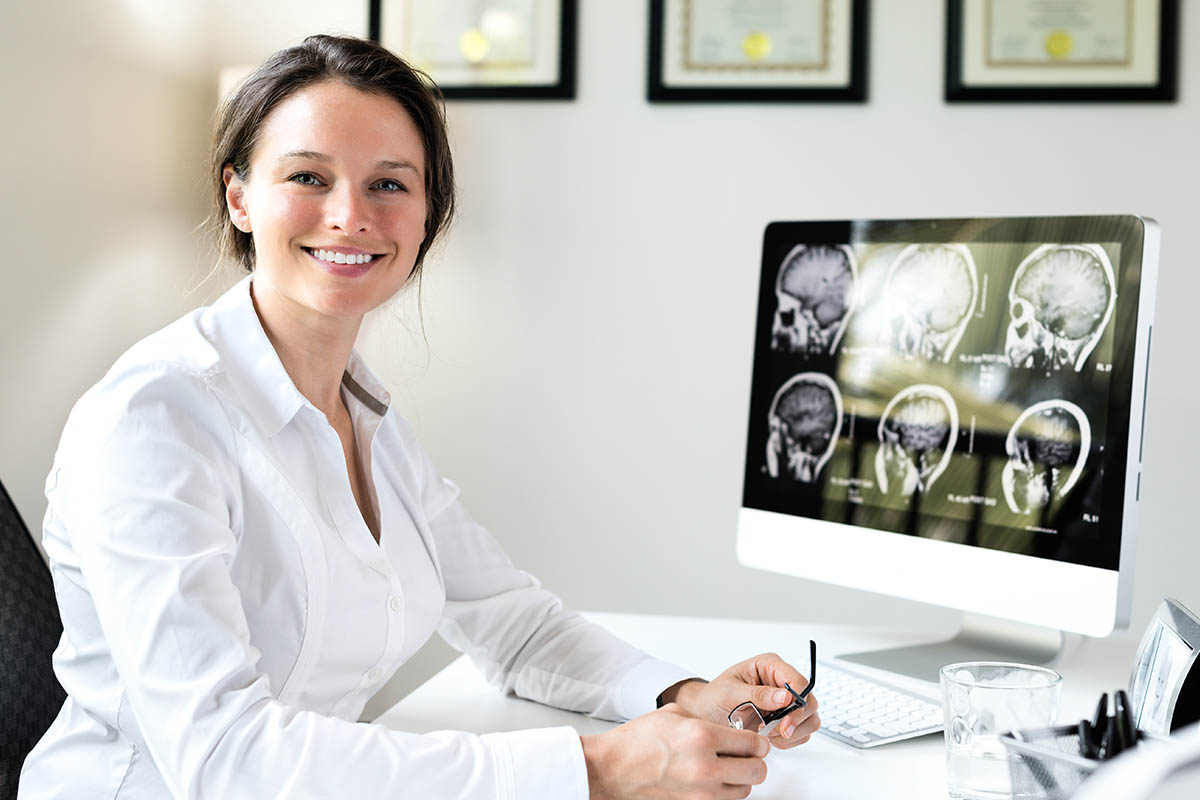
146, 494
518, 633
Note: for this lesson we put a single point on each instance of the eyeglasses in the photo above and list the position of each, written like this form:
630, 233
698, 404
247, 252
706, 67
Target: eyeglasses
749, 717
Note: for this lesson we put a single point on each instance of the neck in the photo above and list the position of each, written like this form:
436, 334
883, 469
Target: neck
313, 347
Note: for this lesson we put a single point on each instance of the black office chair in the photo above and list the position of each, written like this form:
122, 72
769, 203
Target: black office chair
30, 627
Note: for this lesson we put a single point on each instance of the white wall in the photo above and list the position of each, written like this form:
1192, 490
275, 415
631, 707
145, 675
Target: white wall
590, 317
106, 121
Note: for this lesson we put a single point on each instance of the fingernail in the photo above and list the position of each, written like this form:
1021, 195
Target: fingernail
781, 696
788, 730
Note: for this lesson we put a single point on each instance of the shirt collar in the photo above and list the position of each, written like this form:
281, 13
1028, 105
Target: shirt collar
257, 375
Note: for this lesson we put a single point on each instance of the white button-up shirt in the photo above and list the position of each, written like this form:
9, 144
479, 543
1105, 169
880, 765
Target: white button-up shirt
227, 613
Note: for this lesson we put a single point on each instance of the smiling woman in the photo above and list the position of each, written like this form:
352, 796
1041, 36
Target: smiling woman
247, 542
319, 181
352, 63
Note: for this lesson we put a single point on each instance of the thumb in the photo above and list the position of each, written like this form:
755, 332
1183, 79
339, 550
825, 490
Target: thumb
770, 697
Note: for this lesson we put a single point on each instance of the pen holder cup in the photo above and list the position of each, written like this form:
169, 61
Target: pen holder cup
1046, 763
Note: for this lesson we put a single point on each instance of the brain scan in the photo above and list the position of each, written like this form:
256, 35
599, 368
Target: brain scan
1060, 301
815, 292
916, 438
1047, 448
804, 422
930, 293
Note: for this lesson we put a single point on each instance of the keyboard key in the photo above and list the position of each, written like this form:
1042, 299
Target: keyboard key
881, 730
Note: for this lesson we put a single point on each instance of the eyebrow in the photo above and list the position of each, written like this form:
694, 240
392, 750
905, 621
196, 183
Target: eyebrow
315, 156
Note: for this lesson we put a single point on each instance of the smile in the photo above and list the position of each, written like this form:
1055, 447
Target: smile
333, 257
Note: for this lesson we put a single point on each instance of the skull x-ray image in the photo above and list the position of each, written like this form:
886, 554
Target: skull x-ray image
917, 433
1047, 448
815, 291
804, 422
1060, 302
930, 293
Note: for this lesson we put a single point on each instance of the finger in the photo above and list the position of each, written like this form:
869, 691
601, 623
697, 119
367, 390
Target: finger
743, 744
790, 734
729, 791
801, 714
771, 672
742, 771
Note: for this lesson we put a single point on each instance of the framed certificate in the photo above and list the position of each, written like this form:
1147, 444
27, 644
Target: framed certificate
758, 51
484, 49
1061, 50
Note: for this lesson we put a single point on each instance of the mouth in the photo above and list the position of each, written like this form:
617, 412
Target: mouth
338, 257
343, 265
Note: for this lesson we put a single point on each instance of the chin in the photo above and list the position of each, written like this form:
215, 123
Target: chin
349, 302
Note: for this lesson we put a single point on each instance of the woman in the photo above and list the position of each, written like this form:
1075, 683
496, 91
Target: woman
246, 543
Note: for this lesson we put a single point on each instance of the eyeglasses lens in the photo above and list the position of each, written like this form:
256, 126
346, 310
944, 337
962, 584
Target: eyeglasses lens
745, 717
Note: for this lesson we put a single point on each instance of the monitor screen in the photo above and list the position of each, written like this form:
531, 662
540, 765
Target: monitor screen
962, 380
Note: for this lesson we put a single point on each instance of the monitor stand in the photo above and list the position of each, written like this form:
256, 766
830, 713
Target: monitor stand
979, 639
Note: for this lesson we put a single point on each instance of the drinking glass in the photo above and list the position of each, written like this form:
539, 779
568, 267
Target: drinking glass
981, 700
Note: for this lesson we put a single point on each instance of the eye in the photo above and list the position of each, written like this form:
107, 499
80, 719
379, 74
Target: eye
389, 185
305, 179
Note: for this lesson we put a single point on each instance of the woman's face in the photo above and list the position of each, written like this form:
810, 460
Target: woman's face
335, 200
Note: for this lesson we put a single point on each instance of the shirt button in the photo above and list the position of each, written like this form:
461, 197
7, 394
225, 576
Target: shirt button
373, 674
395, 604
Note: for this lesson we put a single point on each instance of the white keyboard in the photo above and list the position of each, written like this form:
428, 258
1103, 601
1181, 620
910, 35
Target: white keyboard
864, 712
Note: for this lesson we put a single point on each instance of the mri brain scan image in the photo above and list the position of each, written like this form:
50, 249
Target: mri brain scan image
804, 422
1060, 302
1047, 448
930, 293
916, 438
815, 291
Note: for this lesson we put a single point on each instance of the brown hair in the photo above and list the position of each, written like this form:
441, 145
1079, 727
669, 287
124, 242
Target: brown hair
359, 63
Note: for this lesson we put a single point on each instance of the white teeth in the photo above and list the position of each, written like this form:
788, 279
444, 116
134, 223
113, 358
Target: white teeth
341, 258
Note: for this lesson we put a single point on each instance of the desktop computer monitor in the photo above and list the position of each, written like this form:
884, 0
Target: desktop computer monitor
951, 411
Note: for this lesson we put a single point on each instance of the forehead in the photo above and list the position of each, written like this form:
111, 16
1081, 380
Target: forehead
346, 123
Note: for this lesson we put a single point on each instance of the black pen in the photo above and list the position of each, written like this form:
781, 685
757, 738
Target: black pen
1123, 714
1087, 748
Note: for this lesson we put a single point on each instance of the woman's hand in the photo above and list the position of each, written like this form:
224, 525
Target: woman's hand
759, 680
669, 754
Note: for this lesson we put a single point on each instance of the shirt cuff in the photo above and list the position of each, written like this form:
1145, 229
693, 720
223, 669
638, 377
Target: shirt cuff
540, 762
642, 685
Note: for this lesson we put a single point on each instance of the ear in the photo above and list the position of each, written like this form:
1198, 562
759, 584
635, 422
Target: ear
235, 198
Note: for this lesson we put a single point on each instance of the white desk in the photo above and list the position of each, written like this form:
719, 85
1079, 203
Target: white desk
459, 698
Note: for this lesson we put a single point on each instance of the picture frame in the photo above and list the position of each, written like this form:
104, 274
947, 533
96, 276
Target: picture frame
1164, 686
484, 49
734, 51
1099, 51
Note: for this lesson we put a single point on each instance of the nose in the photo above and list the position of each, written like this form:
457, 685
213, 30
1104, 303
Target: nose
347, 210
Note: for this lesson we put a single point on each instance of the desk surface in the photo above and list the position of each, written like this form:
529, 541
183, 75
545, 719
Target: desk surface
458, 697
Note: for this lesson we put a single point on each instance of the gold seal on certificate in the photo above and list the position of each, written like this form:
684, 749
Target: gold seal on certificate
1059, 44
756, 46
473, 45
